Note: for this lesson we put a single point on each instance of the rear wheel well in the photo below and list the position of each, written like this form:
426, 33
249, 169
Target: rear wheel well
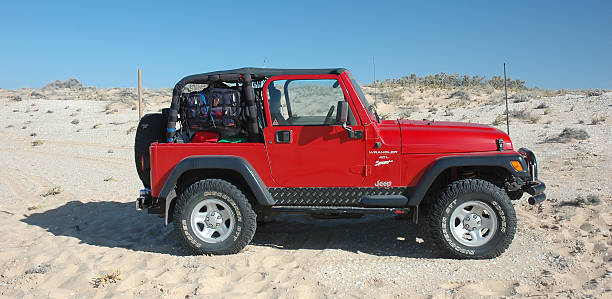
194, 175
496, 175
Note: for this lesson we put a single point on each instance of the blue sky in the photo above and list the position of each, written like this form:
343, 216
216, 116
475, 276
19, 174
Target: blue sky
550, 44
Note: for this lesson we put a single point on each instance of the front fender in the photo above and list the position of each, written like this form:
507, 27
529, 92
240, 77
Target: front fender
444, 163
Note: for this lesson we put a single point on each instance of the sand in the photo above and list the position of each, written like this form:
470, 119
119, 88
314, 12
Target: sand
59, 245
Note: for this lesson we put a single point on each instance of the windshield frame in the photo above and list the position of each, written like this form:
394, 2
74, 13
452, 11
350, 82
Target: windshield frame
361, 95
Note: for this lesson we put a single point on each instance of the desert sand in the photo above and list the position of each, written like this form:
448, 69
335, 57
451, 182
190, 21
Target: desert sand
68, 218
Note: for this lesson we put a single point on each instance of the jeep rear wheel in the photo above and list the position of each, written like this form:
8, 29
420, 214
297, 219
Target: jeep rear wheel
473, 219
214, 217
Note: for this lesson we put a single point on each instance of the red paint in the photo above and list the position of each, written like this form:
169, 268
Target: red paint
392, 153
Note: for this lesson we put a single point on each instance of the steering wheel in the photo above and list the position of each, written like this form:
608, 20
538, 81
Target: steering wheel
328, 118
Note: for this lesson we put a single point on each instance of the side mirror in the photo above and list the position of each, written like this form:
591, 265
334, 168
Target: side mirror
342, 112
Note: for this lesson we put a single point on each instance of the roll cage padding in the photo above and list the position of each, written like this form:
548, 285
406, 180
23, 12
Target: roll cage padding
233, 163
249, 98
445, 163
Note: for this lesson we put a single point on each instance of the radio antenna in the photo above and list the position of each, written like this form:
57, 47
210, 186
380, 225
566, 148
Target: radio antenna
506, 90
375, 85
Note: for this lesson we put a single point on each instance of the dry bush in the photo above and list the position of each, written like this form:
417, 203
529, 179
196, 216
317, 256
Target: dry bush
521, 97
106, 278
542, 106
594, 92
598, 119
500, 119
39, 269
524, 114
54, 191
75, 121
15, 99
580, 201
37, 142
96, 126
464, 95
568, 135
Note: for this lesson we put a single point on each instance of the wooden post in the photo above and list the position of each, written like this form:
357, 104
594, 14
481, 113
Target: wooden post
139, 95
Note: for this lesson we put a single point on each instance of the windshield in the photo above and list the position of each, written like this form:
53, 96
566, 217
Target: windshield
360, 93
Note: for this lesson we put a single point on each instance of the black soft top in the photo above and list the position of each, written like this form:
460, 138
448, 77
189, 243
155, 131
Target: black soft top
256, 73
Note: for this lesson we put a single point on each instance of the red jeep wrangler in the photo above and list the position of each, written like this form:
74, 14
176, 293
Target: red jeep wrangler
252, 142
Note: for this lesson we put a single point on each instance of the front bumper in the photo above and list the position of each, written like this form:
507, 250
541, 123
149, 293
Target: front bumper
534, 187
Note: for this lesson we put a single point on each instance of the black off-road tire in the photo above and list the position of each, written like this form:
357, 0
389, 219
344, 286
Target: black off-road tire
515, 195
151, 128
470, 190
245, 217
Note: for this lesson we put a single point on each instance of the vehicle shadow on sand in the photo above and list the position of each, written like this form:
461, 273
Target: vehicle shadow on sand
118, 224
370, 234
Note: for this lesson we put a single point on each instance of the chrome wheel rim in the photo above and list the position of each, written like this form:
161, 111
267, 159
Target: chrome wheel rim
473, 223
212, 220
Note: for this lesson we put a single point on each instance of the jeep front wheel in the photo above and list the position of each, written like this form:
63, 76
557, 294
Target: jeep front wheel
214, 217
473, 219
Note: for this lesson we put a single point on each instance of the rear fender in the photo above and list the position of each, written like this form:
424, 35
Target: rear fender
233, 163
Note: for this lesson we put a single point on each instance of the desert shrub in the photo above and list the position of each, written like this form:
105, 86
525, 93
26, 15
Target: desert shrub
75, 121
542, 106
39, 269
594, 92
444, 80
15, 99
568, 135
525, 115
54, 191
37, 142
464, 95
521, 97
37, 95
581, 201
500, 119
396, 96
106, 278
598, 119
70, 83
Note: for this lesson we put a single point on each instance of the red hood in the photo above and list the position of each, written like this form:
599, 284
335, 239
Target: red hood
429, 137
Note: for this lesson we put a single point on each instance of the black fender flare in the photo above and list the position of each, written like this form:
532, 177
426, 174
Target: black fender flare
237, 164
445, 163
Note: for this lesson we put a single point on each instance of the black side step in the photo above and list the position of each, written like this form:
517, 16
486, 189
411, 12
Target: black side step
339, 210
384, 201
